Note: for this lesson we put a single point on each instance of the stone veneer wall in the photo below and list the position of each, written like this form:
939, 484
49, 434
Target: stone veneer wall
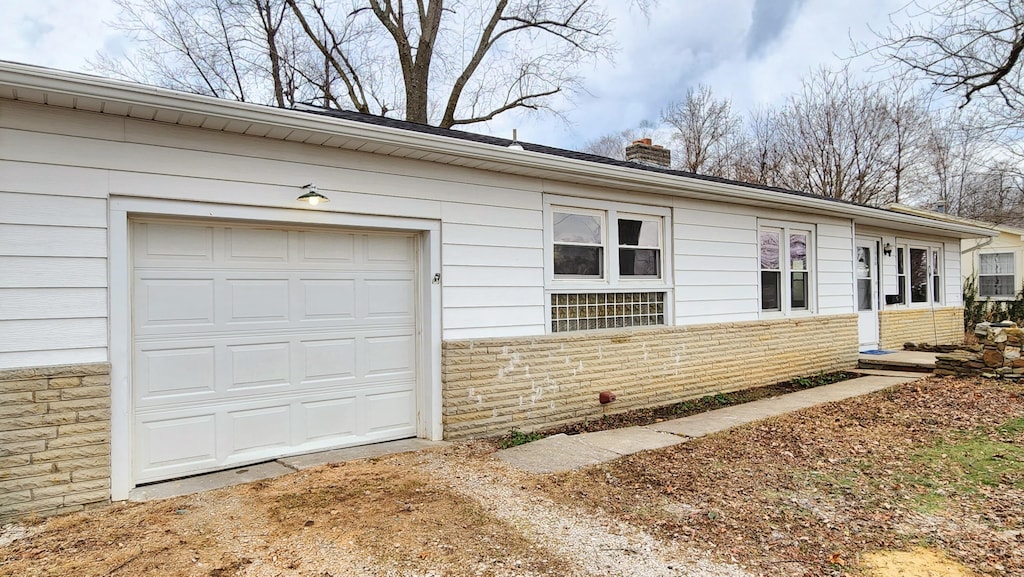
54, 439
915, 326
492, 385
998, 355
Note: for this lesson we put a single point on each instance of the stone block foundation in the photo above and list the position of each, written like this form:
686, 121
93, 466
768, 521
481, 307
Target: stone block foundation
920, 326
54, 439
493, 385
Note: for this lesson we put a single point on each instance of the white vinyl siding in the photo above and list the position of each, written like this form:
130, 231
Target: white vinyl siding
53, 268
492, 251
835, 294
493, 275
715, 265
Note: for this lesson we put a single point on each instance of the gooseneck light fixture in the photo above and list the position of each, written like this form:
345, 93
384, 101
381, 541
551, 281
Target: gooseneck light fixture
312, 196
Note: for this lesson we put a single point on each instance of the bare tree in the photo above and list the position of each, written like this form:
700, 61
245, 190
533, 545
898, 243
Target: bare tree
235, 49
908, 112
613, 145
836, 138
705, 130
759, 157
996, 195
446, 62
970, 48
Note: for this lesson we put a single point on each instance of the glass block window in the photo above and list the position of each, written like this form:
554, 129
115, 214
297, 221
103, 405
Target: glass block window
996, 275
606, 310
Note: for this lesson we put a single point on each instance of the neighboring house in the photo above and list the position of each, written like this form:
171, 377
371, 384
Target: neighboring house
995, 263
169, 307
997, 266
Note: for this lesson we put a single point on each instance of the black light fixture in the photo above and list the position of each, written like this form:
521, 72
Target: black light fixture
887, 249
312, 196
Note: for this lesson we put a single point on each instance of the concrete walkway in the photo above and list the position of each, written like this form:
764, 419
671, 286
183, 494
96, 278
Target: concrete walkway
562, 452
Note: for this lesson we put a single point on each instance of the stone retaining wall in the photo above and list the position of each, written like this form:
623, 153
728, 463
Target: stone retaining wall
492, 385
54, 439
997, 356
919, 326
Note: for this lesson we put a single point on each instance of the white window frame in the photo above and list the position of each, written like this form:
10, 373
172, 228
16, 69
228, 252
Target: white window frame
612, 281
787, 228
930, 273
602, 217
1015, 285
612, 211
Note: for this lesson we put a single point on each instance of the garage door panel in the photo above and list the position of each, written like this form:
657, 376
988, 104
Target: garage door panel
258, 300
259, 365
389, 412
389, 250
329, 358
252, 343
174, 303
389, 298
181, 244
326, 248
331, 418
255, 245
328, 299
389, 355
175, 372
183, 442
260, 428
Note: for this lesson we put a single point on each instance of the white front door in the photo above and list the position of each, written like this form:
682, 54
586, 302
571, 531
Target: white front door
254, 342
866, 276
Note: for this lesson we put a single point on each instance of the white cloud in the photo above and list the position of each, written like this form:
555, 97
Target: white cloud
55, 33
681, 44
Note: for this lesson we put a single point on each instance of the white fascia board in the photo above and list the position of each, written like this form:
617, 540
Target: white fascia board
554, 167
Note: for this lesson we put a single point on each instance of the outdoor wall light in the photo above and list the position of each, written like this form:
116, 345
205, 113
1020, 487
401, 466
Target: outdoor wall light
887, 249
312, 196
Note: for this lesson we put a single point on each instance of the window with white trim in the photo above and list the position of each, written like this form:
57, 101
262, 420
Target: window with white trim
924, 273
996, 275
785, 266
578, 243
606, 264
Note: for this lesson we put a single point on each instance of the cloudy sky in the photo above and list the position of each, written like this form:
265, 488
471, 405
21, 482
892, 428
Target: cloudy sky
752, 51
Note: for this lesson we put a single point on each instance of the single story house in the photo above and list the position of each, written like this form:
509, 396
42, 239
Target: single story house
995, 263
170, 305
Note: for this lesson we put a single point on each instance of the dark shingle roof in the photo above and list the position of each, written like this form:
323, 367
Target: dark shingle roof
504, 142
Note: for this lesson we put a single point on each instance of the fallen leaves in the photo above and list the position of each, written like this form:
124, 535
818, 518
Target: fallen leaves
827, 484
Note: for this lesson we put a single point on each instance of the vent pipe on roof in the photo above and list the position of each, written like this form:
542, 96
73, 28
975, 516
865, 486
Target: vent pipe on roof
515, 141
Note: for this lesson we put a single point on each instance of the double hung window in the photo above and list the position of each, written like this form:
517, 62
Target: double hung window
996, 275
785, 264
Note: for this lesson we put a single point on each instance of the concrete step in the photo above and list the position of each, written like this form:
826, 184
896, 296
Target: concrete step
890, 373
910, 361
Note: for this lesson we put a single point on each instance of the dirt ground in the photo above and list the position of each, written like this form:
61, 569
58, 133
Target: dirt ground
924, 479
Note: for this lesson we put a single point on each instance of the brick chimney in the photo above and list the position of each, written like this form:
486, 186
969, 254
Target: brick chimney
643, 152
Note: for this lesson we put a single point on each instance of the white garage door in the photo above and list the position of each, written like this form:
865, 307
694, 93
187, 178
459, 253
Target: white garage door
251, 343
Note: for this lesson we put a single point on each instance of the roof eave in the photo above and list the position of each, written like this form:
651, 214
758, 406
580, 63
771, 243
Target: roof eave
76, 85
